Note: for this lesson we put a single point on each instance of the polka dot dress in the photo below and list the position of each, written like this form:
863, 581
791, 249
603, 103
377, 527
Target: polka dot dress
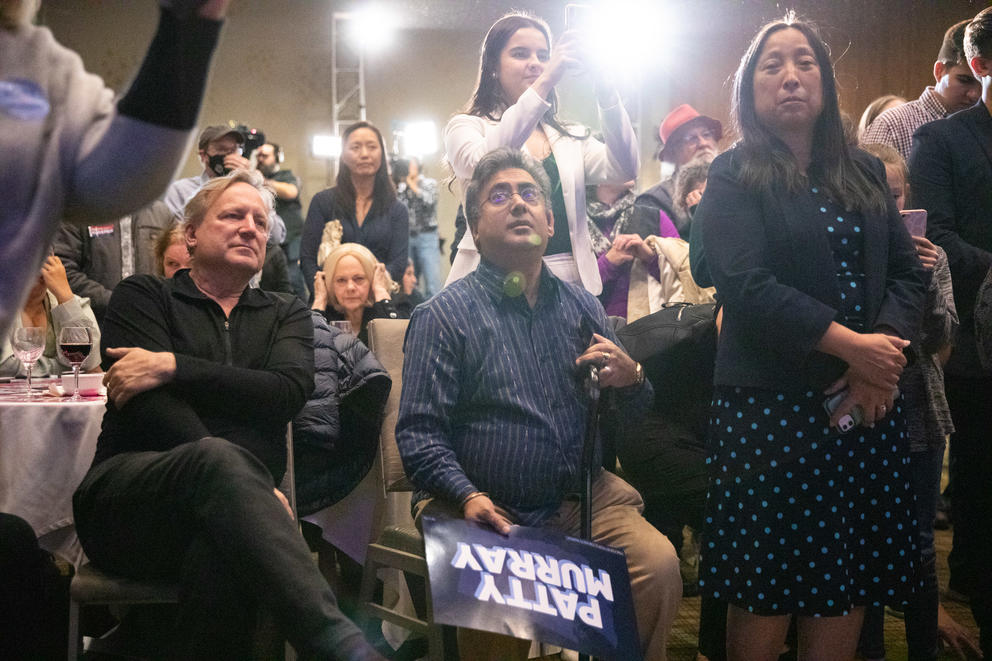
800, 517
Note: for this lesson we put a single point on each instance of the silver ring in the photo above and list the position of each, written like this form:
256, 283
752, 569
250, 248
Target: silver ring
606, 355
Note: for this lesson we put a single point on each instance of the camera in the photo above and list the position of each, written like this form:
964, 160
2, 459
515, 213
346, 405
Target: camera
399, 168
253, 139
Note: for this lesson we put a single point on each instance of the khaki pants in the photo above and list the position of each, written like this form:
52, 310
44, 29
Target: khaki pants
616, 521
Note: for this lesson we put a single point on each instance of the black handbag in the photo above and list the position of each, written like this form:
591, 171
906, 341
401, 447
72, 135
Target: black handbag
677, 348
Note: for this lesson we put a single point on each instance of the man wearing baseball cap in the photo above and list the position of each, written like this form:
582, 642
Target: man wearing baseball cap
220, 153
685, 135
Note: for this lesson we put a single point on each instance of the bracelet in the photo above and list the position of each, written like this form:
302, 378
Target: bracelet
638, 374
474, 494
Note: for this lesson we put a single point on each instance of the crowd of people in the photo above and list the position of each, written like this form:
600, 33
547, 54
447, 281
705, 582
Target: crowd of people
849, 342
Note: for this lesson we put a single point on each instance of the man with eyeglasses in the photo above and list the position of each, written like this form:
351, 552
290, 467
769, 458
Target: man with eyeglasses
685, 136
493, 413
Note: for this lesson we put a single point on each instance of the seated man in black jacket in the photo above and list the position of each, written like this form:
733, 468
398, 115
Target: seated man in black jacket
203, 373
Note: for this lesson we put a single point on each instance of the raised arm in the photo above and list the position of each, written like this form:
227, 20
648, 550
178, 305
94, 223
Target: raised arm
617, 159
128, 154
468, 138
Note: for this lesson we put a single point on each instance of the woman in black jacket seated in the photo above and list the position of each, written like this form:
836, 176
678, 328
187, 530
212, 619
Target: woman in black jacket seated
353, 287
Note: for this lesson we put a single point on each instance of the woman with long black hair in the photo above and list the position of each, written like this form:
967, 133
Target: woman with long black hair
515, 105
362, 208
810, 513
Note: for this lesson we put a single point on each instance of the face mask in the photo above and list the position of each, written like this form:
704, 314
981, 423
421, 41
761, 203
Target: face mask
215, 164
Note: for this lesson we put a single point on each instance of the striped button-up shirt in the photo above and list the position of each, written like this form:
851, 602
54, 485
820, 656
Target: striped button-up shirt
895, 127
492, 400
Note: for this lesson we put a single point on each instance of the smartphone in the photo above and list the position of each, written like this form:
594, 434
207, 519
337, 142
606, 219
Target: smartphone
854, 417
915, 220
578, 16
849, 421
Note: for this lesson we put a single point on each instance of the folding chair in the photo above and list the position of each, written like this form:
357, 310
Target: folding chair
395, 546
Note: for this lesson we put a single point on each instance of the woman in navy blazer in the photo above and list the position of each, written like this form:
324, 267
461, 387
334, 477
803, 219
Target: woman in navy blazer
822, 291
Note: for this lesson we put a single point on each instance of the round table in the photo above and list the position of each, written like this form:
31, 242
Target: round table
46, 447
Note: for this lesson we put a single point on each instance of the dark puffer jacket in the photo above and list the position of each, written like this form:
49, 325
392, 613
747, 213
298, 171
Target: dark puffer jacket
336, 434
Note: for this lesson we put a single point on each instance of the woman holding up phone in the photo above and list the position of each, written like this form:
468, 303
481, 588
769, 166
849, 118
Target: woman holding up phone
822, 291
514, 105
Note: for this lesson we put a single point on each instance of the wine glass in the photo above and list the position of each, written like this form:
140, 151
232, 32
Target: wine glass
343, 325
75, 344
29, 342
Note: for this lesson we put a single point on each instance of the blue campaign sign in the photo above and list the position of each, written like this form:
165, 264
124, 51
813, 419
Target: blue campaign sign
533, 584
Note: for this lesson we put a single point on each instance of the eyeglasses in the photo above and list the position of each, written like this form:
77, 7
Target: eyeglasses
499, 197
698, 137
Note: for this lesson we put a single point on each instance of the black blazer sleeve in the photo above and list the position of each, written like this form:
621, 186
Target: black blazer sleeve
774, 272
399, 240
743, 250
950, 185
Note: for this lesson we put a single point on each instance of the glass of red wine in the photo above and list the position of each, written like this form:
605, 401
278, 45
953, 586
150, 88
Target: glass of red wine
75, 344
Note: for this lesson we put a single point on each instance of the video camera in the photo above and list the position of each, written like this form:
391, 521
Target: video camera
399, 168
253, 139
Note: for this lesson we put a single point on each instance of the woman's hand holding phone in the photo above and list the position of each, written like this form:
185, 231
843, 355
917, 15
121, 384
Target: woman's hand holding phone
852, 401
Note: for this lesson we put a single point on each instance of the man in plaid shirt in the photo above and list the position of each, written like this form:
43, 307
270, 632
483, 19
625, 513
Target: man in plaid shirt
955, 89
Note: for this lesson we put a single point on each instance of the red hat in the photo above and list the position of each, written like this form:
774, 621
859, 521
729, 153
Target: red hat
682, 117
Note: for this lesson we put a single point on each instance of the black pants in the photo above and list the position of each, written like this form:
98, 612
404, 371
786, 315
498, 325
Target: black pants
204, 514
665, 461
970, 560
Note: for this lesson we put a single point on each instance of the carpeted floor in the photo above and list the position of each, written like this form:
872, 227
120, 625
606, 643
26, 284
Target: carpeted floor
682, 644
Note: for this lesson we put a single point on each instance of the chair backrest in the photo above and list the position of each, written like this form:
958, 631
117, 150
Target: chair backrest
386, 342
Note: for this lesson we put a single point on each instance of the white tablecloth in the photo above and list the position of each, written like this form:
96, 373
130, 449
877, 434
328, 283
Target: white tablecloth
45, 451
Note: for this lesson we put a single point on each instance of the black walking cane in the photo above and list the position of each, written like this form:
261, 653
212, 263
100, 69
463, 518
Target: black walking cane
591, 383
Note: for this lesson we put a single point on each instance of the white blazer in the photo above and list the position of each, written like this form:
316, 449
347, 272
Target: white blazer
468, 138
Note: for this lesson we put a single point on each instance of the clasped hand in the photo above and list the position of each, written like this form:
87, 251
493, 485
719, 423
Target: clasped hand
627, 247
878, 359
874, 367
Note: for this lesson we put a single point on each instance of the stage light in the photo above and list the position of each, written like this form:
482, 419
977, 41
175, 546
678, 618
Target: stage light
372, 28
627, 37
417, 138
325, 146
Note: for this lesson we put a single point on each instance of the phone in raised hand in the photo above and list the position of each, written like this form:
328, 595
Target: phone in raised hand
578, 16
